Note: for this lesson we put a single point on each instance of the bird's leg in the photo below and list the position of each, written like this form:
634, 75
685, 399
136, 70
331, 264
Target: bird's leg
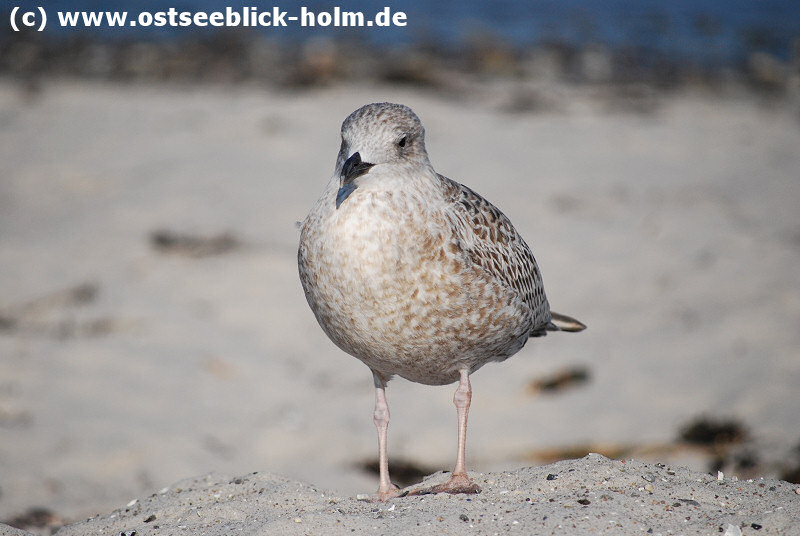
386, 489
462, 399
459, 482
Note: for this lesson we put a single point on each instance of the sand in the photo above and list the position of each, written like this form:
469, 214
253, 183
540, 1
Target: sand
129, 363
590, 495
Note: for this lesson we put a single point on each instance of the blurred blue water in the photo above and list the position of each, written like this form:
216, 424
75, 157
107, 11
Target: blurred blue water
704, 31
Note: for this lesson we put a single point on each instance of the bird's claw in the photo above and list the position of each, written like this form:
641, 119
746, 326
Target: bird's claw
455, 485
383, 495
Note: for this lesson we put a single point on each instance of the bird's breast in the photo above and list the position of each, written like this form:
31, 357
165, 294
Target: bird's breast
377, 244
389, 286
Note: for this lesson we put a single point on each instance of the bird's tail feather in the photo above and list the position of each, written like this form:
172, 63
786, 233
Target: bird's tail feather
561, 322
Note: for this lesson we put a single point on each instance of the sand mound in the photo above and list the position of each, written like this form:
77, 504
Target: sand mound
589, 495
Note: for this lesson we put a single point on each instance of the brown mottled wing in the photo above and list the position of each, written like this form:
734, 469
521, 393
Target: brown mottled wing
489, 239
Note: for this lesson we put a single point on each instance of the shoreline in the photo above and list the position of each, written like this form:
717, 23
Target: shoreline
244, 57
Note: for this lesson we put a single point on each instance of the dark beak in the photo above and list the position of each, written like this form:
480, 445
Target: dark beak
352, 169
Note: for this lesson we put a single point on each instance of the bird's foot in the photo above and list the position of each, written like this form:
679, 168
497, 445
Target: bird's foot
382, 495
458, 483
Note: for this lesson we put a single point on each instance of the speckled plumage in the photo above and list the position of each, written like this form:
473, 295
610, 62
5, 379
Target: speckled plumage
414, 274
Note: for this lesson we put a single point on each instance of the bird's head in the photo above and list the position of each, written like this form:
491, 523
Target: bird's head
376, 135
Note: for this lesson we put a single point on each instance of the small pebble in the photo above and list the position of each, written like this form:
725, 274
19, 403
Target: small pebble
732, 530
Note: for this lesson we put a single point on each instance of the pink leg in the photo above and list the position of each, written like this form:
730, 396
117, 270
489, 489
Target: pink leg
459, 482
386, 489
462, 399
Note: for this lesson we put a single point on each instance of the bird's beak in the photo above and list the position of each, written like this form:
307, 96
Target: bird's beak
352, 169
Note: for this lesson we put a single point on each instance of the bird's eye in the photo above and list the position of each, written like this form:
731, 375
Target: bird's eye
402, 142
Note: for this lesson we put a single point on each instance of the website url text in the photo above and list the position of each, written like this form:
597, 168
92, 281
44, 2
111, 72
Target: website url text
36, 18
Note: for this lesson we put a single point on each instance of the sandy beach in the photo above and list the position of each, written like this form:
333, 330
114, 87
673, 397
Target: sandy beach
153, 327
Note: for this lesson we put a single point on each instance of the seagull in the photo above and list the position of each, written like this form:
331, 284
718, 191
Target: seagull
415, 274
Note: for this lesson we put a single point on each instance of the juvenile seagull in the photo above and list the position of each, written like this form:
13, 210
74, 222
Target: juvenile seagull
415, 274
